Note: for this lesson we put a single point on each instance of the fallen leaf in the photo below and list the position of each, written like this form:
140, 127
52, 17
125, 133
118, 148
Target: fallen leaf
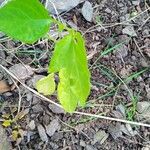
4, 87
46, 85
15, 135
7, 123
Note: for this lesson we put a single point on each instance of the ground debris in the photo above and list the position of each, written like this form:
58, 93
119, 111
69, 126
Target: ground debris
52, 127
55, 109
59, 6
4, 87
129, 30
21, 71
87, 11
42, 133
101, 136
4, 144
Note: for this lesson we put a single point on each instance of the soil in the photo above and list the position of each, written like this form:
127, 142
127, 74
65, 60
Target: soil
109, 27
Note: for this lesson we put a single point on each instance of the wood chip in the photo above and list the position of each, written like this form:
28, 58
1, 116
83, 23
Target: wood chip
4, 87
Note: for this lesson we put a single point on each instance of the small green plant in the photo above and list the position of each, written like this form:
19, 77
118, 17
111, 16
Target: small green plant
27, 21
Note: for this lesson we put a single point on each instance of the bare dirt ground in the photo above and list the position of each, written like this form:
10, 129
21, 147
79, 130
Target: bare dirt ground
118, 50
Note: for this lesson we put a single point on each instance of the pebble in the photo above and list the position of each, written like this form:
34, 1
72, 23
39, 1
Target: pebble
55, 109
87, 11
129, 30
136, 2
121, 51
31, 125
101, 136
37, 108
107, 10
143, 106
61, 5
90, 147
53, 127
42, 133
1, 1
21, 71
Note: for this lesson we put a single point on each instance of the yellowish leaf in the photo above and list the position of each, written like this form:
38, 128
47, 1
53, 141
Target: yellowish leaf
46, 85
7, 123
15, 135
6, 116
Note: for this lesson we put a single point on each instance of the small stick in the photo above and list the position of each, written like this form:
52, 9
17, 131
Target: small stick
76, 112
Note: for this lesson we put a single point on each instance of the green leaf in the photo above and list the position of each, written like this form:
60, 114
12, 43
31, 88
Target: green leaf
46, 85
66, 93
24, 20
69, 59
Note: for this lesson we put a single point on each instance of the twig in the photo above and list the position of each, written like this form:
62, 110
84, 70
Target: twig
76, 112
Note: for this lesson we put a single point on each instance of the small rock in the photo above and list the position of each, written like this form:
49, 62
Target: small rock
121, 109
21, 71
143, 62
107, 10
115, 131
37, 108
127, 129
4, 142
46, 119
147, 147
139, 79
130, 132
42, 133
123, 38
125, 17
53, 145
129, 30
122, 51
57, 136
61, 5
143, 106
82, 143
1, 1
35, 100
29, 96
52, 127
117, 114
136, 2
90, 147
100, 136
55, 109
145, 32
147, 88
87, 11
2, 53
143, 109
1, 34
31, 125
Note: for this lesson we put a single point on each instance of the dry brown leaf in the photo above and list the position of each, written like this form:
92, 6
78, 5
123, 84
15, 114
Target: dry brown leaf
4, 87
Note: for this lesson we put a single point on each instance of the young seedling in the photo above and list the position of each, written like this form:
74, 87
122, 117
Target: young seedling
28, 21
